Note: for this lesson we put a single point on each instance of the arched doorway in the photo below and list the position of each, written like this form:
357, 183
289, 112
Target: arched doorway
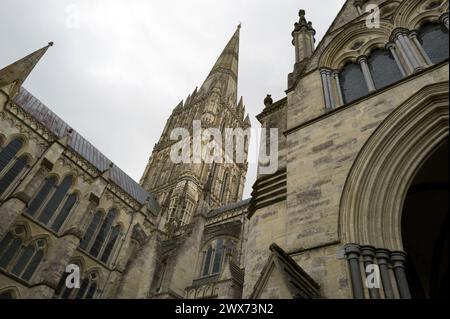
425, 228
392, 201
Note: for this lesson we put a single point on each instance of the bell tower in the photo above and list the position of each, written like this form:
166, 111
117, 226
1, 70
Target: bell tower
179, 187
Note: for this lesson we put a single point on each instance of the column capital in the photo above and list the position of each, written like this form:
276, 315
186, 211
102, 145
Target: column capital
362, 59
398, 259
368, 251
352, 251
382, 255
414, 34
325, 70
398, 32
390, 45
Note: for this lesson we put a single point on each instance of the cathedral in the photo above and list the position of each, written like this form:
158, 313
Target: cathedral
361, 154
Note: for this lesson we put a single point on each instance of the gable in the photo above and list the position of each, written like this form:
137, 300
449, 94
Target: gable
283, 278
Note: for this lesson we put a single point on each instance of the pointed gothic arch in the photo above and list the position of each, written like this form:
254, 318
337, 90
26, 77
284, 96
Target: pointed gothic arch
410, 14
375, 190
9, 292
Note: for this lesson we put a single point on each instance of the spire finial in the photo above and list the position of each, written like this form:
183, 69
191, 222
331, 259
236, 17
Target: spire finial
51, 43
224, 73
239, 25
303, 23
17, 72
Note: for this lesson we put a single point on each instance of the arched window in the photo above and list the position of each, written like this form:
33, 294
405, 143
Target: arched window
18, 259
53, 209
103, 233
217, 263
434, 40
8, 153
113, 236
56, 200
9, 246
172, 207
91, 230
87, 290
214, 256
383, 68
187, 214
64, 212
37, 201
160, 272
106, 236
353, 84
14, 171
207, 261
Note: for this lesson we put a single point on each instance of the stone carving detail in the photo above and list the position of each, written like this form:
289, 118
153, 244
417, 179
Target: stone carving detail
139, 235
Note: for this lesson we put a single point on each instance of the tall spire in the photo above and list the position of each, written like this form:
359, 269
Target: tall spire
224, 74
17, 72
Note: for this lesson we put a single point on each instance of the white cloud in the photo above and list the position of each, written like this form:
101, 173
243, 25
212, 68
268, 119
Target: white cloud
119, 67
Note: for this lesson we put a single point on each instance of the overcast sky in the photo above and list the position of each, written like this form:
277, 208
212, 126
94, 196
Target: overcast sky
119, 67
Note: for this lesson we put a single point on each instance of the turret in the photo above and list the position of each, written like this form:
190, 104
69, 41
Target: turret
303, 38
303, 41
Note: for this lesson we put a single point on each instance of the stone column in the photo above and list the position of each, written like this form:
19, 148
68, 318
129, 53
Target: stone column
352, 253
391, 47
327, 88
338, 87
368, 255
330, 88
398, 259
362, 60
358, 5
382, 256
444, 19
404, 55
403, 42
418, 45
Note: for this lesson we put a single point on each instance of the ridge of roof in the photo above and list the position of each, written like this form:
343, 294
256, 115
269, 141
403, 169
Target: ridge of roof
83, 147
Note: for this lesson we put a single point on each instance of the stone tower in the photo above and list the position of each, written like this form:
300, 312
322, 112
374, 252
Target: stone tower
180, 186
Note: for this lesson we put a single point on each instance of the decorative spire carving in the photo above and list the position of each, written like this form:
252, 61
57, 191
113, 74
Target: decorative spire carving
17, 72
303, 38
268, 101
224, 74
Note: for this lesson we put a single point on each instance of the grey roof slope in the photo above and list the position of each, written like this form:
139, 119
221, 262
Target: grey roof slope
228, 207
79, 144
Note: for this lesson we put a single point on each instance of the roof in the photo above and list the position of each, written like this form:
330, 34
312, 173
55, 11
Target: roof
298, 282
229, 207
80, 145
